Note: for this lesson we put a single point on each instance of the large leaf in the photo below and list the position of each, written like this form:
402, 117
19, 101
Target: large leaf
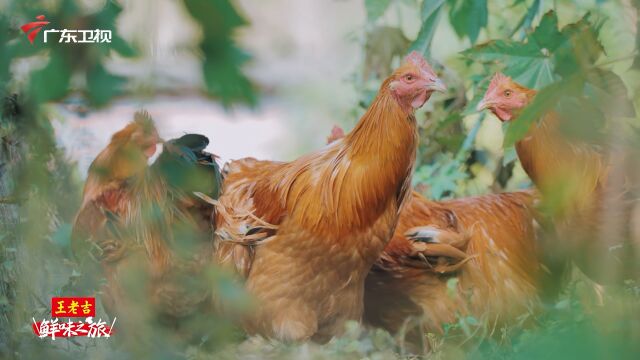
580, 47
431, 11
468, 17
529, 63
546, 54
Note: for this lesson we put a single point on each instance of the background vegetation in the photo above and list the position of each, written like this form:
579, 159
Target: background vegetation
582, 56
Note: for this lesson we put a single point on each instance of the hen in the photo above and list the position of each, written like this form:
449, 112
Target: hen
488, 242
306, 233
142, 229
592, 208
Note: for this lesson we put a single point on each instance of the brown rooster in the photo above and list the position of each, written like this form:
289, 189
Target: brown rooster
575, 178
141, 228
306, 233
488, 242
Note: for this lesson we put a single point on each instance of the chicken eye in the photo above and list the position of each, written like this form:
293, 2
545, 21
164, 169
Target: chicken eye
507, 93
409, 78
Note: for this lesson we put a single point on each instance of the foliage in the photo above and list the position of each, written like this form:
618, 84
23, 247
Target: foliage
562, 64
39, 187
570, 68
222, 57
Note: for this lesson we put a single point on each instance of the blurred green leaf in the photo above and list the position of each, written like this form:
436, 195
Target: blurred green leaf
468, 17
580, 47
430, 16
527, 18
5, 57
51, 82
106, 19
102, 86
222, 58
376, 8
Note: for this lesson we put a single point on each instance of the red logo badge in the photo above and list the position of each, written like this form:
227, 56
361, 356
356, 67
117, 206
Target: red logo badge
73, 307
33, 28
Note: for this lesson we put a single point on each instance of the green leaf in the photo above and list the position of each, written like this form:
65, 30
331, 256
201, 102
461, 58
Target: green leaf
580, 48
106, 19
224, 78
376, 8
5, 56
102, 86
546, 35
431, 11
222, 61
468, 17
546, 55
51, 82
527, 19
529, 63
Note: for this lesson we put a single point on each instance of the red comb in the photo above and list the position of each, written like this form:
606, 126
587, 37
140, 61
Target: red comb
336, 133
497, 79
418, 60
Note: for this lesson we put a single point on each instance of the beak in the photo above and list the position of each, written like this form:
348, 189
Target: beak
437, 85
483, 104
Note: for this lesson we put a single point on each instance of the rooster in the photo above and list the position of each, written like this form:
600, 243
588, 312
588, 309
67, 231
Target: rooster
305, 234
590, 199
142, 228
487, 242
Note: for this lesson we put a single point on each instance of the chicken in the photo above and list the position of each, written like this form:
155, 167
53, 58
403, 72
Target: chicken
305, 233
592, 208
487, 242
143, 230
496, 263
